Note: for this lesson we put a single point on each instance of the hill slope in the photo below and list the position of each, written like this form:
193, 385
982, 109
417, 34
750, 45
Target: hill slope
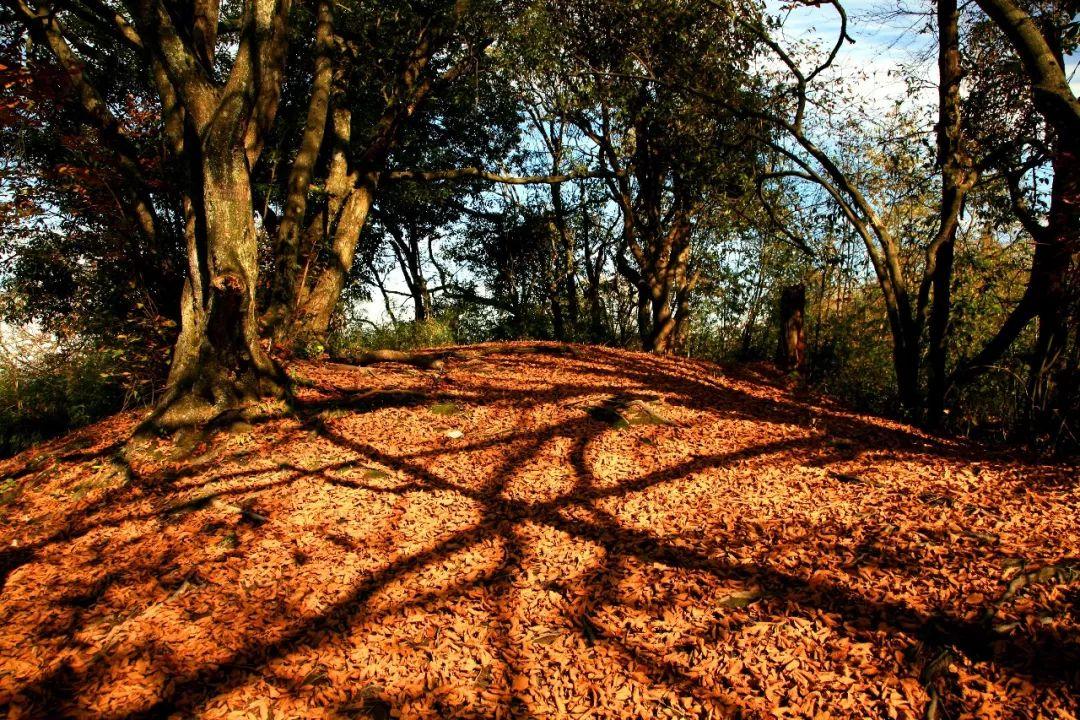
594, 534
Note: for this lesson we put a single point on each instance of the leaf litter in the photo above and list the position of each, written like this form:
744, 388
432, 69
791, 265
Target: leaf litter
596, 534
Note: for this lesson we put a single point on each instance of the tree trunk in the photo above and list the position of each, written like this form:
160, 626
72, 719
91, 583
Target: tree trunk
417, 282
955, 181
558, 322
662, 322
906, 364
597, 332
937, 375
1060, 285
552, 283
644, 319
287, 240
218, 363
791, 347
317, 305
747, 335
594, 268
567, 265
1049, 285
422, 303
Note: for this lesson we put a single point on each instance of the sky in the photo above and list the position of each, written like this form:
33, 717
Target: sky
884, 39
883, 42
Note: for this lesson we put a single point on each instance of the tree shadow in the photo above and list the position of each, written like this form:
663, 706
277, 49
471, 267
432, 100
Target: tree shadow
1039, 654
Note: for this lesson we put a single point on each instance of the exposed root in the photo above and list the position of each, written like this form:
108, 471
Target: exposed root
1063, 572
215, 399
935, 667
625, 410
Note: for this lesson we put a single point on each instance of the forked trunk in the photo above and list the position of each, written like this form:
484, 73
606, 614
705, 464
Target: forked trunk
218, 363
317, 305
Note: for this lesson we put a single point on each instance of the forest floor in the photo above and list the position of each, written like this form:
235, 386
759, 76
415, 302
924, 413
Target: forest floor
590, 534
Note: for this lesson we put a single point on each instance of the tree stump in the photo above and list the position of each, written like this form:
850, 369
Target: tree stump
791, 348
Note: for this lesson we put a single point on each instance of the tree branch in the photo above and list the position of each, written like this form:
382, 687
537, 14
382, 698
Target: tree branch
474, 173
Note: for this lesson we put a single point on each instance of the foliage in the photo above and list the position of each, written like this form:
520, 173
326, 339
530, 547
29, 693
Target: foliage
410, 335
644, 173
66, 387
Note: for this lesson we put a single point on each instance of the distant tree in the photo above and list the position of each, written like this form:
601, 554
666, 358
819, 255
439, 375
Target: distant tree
666, 154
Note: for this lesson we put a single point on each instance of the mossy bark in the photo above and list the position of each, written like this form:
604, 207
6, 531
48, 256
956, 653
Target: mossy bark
218, 362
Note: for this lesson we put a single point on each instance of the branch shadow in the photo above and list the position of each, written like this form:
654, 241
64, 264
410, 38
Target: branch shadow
1041, 655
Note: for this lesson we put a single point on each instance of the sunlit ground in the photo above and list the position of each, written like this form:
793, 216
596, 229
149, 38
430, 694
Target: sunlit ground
603, 534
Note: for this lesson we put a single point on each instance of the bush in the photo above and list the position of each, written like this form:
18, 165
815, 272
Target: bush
60, 390
392, 336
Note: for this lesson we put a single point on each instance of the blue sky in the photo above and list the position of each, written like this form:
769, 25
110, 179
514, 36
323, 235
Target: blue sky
882, 43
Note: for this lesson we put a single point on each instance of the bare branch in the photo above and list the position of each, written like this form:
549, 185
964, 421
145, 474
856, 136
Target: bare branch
474, 173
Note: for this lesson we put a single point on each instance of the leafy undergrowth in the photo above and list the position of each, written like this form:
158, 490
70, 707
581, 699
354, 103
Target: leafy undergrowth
595, 534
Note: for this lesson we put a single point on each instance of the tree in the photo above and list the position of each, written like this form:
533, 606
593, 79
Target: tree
957, 178
1052, 293
423, 51
666, 155
89, 242
798, 156
215, 124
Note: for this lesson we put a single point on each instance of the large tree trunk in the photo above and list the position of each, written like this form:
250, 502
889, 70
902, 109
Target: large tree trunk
352, 188
1053, 284
218, 362
315, 292
287, 241
317, 306
669, 285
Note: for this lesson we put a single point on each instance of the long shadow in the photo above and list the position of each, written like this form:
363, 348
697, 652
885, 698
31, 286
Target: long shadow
1039, 657
970, 638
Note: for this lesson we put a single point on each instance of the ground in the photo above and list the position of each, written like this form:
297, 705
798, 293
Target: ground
588, 534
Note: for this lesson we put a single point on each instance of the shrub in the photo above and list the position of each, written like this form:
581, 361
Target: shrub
65, 387
392, 336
